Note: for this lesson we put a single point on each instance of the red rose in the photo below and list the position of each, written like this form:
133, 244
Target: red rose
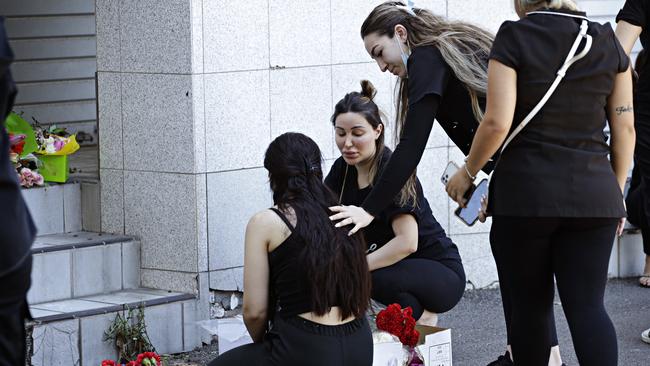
131, 363
408, 311
400, 323
108, 363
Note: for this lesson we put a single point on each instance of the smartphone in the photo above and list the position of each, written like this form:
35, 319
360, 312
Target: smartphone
450, 170
469, 214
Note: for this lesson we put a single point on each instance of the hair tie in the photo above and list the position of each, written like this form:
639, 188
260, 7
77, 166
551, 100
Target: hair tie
309, 167
408, 7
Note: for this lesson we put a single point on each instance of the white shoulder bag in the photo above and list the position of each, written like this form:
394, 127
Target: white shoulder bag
570, 60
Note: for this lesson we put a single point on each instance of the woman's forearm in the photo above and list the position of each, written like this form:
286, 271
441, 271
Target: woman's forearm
392, 252
487, 141
256, 327
622, 150
620, 116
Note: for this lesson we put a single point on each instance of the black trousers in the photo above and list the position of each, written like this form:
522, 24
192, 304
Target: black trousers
434, 285
297, 342
638, 196
505, 299
13, 312
576, 251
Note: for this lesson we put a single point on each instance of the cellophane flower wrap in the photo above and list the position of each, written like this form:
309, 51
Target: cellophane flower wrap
55, 141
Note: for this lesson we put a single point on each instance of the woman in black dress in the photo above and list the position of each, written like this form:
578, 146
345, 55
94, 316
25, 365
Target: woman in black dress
555, 198
442, 66
411, 259
632, 24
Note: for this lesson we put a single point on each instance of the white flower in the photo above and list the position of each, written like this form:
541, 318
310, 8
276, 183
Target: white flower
49, 145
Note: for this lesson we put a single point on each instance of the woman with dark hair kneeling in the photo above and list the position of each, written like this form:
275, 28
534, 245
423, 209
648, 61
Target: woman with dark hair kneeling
317, 273
412, 260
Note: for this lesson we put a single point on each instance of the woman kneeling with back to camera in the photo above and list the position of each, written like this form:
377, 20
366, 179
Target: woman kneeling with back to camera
412, 260
317, 273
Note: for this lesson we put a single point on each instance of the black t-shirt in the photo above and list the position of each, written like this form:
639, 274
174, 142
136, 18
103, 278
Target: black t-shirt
637, 12
429, 74
433, 242
434, 92
558, 165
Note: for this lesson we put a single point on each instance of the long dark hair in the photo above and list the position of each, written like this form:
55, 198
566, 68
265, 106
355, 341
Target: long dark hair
336, 264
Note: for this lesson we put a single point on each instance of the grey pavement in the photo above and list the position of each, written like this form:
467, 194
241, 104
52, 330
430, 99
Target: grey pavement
478, 328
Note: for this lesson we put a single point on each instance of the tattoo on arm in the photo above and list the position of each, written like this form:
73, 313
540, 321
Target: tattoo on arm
620, 110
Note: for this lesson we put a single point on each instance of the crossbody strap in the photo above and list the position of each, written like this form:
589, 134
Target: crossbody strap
570, 60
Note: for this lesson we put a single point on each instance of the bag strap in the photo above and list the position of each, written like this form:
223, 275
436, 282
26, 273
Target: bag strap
570, 60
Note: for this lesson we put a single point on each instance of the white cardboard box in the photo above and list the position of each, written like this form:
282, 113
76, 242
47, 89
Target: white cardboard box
435, 345
232, 333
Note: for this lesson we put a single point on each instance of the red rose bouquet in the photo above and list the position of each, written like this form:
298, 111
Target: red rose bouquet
401, 324
143, 359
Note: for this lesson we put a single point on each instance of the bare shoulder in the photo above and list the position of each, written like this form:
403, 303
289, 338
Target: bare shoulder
265, 220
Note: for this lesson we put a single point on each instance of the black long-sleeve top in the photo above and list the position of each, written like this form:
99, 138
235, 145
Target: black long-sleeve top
434, 92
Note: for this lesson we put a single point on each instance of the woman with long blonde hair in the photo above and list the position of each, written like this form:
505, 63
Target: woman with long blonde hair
442, 70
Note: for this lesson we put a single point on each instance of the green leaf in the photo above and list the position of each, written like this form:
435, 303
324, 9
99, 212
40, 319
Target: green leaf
16, 125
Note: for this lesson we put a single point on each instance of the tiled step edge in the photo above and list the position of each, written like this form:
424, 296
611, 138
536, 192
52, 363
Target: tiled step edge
103, 304
75, 240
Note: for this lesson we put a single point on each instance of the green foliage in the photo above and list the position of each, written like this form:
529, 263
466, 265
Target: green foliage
129, 334
17, 125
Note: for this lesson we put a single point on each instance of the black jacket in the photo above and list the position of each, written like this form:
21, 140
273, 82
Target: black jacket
17, 229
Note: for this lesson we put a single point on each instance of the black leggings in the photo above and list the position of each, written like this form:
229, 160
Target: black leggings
434, 285
505, 299
576, 251
13, 312
297, 342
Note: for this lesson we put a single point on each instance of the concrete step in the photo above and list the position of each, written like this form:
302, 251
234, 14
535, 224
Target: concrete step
71, 265
70, 332
627, 258
64, 208
55, 208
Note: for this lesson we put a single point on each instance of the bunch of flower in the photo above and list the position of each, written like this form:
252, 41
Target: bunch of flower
400, 323
29, 178
27, 165
16, 143
143, 359
148, 359
52, 139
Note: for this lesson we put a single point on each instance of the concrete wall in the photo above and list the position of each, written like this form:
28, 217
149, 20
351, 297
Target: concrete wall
191, 92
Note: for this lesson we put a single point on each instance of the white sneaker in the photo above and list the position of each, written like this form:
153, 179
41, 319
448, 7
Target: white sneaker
645, 336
